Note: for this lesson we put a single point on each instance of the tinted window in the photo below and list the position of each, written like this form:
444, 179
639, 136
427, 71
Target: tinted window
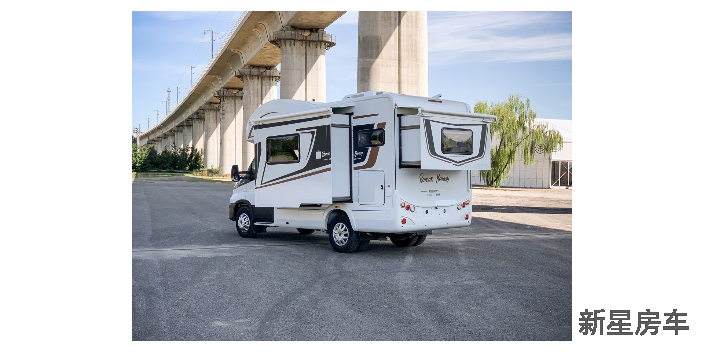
370, 138
282, 149
456, 141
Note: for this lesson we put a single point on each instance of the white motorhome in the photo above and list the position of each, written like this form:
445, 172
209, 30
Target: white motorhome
371, 166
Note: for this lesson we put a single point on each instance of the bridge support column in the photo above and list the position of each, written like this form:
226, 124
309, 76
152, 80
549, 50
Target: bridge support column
169, 140
212, 136
158, 145
302, 62
259, 88
187, 134
197, 131
392, 52
231, 119
178, 137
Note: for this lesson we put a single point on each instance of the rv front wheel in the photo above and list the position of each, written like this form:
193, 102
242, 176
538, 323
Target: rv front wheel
245, 224
342, 238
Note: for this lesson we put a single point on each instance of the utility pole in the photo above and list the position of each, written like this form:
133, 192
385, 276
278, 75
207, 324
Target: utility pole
165, 113
168, 100
147, 123
176, 95
192, 67
157, 115
211, 41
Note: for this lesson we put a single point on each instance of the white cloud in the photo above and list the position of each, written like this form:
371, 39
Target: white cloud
499, 37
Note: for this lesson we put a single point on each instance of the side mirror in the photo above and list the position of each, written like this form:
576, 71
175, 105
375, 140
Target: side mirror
235, 173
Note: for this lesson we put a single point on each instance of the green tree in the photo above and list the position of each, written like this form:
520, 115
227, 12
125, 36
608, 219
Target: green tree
139, 156
195, 160
516, 130
151, 161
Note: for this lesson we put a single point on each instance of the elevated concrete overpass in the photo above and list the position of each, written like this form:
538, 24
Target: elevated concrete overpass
242, 75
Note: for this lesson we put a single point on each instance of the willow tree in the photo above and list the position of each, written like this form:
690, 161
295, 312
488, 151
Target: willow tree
516, 131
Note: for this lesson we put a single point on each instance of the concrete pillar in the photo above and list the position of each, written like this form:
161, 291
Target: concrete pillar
259, 88
377, 51
413, 53
187, 134
197, 131
178, 137
392, 52
302, 62
212, 136
157, 145
231, 115
168, 140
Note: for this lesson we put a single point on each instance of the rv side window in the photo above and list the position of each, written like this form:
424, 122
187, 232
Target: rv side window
456, 141
370, 138
282, 149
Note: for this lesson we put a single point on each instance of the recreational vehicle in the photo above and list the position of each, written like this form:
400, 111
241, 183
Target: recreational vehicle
372, 166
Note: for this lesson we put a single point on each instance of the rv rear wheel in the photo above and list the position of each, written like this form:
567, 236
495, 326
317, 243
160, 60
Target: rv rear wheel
305, 231
245, 222
404, 241
421, 239
342, 238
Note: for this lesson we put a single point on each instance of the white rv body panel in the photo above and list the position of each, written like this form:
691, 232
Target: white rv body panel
431, 151
311, 173
391, 163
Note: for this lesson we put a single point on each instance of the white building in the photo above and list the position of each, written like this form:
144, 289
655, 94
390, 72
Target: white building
552, 170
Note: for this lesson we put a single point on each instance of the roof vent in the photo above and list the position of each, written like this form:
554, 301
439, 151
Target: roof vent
364, 94
350, 96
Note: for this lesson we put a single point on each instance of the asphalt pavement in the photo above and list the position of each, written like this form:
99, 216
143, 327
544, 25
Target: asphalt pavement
195, 278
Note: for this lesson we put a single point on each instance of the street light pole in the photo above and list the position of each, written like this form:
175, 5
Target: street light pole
192, 67
211, 42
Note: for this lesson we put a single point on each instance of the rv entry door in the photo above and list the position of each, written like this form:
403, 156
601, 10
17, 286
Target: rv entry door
370, 187
455, 141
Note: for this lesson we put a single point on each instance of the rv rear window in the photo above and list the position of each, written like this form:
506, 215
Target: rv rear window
370, 138
282, 149
456, 141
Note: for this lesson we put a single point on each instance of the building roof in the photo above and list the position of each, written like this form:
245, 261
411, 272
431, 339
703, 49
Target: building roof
563, 126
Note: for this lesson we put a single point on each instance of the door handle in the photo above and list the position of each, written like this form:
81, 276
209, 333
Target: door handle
382, 187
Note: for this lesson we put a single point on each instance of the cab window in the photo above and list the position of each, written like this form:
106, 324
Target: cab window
283, 149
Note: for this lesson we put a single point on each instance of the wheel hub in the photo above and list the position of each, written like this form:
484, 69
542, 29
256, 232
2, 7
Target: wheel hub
243, 222
340, 234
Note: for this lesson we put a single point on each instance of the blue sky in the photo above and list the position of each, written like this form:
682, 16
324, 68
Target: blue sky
472, 56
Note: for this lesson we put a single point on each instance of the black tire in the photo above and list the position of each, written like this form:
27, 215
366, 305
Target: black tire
305, 231
244, 221
421, 239
404, 241
342, 238
363, 245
